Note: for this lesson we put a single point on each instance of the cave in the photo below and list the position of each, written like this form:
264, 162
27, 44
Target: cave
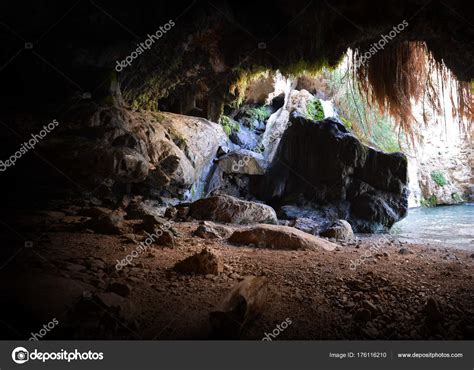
213, 170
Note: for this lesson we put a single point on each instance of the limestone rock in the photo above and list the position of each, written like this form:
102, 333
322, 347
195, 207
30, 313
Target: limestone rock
279, 237
365, 186
243, 162
224, 208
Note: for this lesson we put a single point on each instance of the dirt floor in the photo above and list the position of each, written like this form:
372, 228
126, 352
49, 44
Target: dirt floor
369, 288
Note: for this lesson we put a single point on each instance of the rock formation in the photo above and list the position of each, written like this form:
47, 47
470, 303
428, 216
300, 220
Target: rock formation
326, 165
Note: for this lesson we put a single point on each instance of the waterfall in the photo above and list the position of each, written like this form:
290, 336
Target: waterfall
328, 108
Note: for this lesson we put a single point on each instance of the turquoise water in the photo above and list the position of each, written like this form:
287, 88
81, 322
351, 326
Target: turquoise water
443, 226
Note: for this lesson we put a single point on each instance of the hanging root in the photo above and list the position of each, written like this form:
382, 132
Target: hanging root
405, 73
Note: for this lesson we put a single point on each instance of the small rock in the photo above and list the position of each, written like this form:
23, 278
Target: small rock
405, 251
152, 222
171, 213
165, 238
340, 230
206, 262
206, 231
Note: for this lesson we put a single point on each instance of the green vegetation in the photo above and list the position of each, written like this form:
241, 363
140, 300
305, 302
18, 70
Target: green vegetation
144, 101
347, 123
243, 78
432, 201
369, 125
260, 113
314, 110
229, 125
439, 178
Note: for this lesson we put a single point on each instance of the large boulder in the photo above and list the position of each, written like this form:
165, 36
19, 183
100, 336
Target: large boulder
244, 137
340, 230
225, 208
181, 149
161, 152
279, 121
325, 163
279, 237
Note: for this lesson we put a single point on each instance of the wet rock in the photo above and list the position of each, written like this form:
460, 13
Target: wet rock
224, 208
179, 147
341, 230
244, 137
242, 162
279, 237
372, 184
203, 263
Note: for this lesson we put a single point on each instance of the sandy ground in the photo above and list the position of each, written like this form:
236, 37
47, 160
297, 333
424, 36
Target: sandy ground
325, 295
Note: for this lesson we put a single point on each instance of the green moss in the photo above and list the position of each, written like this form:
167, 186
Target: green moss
260, 113
347, 123
229, 125
432, 201
303, 67
144, 101
244, 77
439, 178
314, 110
